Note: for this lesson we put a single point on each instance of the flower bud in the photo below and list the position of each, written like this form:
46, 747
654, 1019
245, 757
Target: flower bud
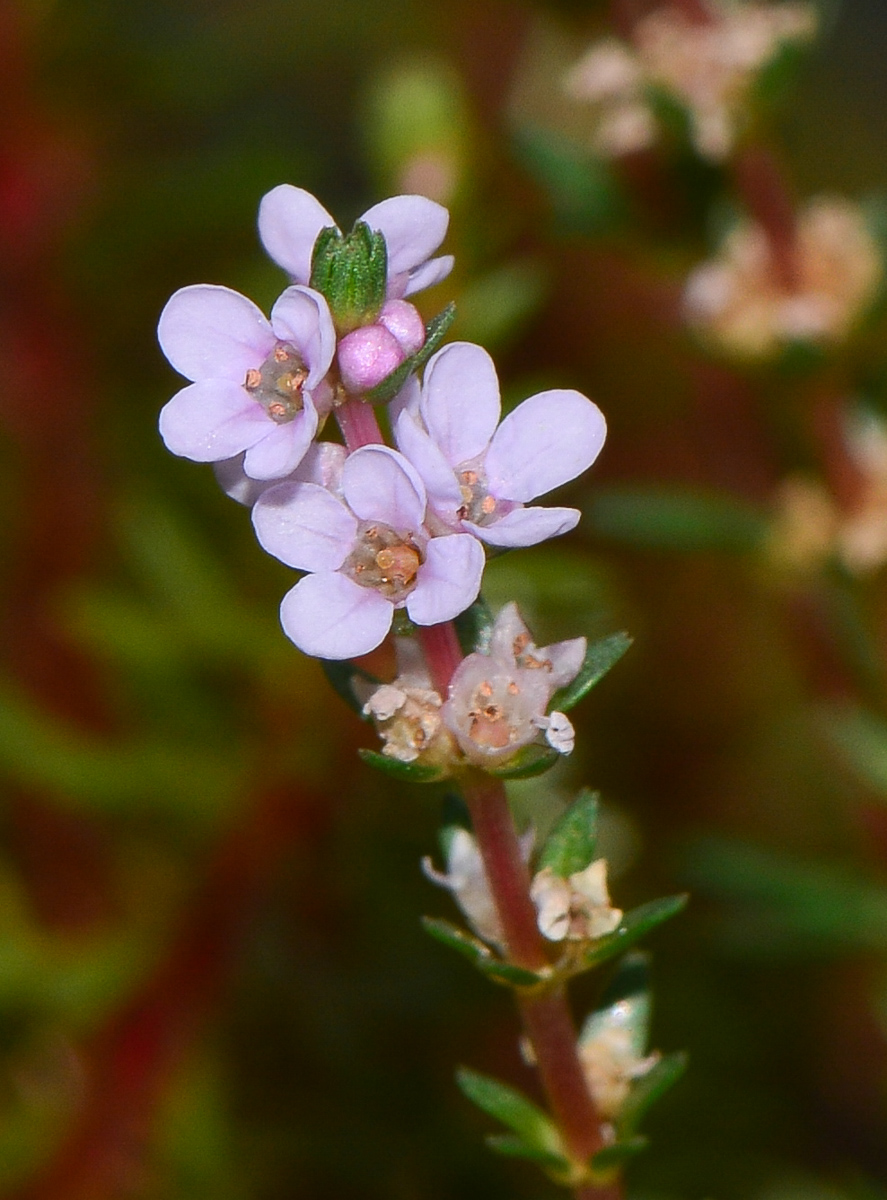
367, 356
351, 271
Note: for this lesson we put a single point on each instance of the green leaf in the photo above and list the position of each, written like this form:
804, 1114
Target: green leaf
412, 772
511, 1146
647, 1090
474, 626
494, 308
457, 939
571, 845
625, 1006
862, 738
611, 1158
599, 658
584, 191
513, 1109
635, 925
531, 761
509, 975
340, 675
435, 332
662, 518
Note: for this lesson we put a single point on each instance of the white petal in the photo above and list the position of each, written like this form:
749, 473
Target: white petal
430, 273
440, 482
210, 332
413, 227
330, 616
548, 440
304, 526
212, 420
449, 579
301, 316
289, 221
460, 401
283, 447
526, 526
380, 485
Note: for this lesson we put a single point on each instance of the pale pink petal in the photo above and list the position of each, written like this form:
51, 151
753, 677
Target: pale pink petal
548, 440
460, 401
235, 482
289, 221
449, 579
330, 616
426, 276
301, 316
566, 659
211, 420
323, 465
508, 628
304, 526
526, 526
402, 320
441, 484
283, 447
413, 228
380, 485
210, 332
406, 400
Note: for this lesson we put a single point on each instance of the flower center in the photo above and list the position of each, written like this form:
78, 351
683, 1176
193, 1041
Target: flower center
478, 506
278, 383
491, 724
385, 560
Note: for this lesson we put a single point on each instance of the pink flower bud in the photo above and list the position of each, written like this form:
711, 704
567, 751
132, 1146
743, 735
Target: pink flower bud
402, 320
367, 355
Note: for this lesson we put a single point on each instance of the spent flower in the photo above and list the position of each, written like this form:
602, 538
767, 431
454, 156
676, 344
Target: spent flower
575, 908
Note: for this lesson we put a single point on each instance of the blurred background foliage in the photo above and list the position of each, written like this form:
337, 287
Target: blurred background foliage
213, 982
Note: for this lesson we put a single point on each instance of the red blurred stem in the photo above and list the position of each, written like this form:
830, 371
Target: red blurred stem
547, 1018
761, 183
131, 1060
357, 421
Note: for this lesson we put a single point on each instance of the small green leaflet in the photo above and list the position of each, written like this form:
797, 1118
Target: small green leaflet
571, 845
599, 658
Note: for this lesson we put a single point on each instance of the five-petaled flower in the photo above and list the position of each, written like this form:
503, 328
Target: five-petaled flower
481, 474
256, 384
498, 700
368, 553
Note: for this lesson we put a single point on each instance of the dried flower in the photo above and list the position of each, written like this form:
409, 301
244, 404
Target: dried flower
257, 385
467, 880
741, 301
407, 712
369, 553
610, 1057
577, 907
479, 473
498, 700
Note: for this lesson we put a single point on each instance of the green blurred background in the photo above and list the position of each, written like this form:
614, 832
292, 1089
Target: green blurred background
213, 982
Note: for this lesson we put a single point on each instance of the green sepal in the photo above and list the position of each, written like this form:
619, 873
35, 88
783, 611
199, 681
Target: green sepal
530, 761
340, 676
412, 772
572, 843
435, 332
599, 658
647, 1090
352, 273
635, 924
474, 627
511, 1146
533, 1127
479, 954
611, 1158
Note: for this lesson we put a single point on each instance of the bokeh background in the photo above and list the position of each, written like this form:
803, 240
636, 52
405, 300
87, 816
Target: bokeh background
213, 982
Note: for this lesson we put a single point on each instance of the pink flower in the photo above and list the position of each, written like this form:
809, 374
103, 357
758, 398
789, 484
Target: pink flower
498, 700
479, 473
256, 384
368, 553
413, 227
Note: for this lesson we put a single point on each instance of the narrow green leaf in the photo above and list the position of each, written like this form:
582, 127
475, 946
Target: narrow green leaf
513, 1109
635, 925
435, 332
599, 658
509, 975
611, 1158
647, 1090
341, 676
412, 772
474, 626
571, 845
457, 939
511, 1146
531, 761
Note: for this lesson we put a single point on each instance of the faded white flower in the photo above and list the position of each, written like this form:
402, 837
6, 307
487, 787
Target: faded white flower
577, 907
407, 712
611, 1064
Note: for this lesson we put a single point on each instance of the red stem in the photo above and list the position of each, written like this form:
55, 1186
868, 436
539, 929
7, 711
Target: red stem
357, 420
547, 1018
761, 183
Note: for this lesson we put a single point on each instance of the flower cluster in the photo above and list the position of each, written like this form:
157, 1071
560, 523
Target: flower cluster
747, 303
376, 528
708, 64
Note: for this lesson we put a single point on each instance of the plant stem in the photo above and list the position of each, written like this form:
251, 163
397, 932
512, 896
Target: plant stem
357, 421
547, 1018
764, 189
